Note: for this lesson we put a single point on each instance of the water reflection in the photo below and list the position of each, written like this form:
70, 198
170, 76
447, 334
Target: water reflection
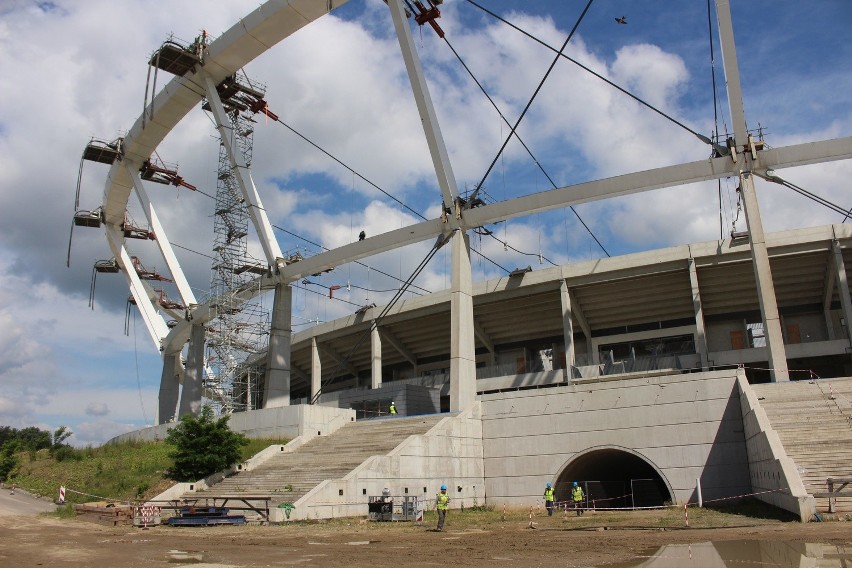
745, 554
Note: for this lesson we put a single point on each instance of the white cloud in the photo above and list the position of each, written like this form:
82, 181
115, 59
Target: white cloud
80, 69
97, 409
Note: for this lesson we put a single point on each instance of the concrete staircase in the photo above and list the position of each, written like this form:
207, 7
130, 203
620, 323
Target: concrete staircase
289, 475
814, 423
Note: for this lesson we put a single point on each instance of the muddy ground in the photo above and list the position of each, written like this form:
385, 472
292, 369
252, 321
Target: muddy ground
471, 539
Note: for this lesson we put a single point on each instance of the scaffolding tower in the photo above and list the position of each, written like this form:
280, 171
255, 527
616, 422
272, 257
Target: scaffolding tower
240, 329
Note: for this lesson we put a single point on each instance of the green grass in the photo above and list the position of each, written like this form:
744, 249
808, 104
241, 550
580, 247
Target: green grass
256, 446
742, 513
746, 512
114, 472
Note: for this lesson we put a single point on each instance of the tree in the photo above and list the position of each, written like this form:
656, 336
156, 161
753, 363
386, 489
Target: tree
7, 433
203, 445
8, 461
32, 438
60, 435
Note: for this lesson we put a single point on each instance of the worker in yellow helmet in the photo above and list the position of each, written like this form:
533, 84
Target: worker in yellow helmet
548, 499
577, 497
442, 503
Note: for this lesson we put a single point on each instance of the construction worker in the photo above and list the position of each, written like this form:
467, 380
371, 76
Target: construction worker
548, 499
392, 408
442, 503
577, 497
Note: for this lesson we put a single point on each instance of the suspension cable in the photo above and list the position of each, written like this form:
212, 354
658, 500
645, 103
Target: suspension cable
812, 196
306, 289
441, 241
715, 110
540, 167
537, 90
698, 135
355, 261
324, 151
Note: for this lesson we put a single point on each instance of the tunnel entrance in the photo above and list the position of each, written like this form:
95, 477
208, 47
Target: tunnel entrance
613, 478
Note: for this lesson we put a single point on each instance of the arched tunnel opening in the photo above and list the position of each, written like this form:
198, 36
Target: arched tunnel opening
613, 478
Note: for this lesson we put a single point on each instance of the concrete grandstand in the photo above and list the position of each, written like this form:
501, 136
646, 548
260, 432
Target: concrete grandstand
634, 374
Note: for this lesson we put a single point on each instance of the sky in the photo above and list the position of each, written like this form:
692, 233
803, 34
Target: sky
76, 69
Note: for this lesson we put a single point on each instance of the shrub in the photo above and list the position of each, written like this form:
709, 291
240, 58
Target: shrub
8, 461
63, 453
203, 445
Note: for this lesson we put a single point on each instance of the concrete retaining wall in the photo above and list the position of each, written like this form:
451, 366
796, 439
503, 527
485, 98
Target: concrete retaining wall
773, 474
687, 426
268, 423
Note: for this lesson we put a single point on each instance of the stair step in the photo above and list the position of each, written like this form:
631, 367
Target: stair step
815, 430
324, 457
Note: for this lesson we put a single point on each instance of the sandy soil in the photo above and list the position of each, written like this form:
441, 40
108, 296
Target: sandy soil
468, 540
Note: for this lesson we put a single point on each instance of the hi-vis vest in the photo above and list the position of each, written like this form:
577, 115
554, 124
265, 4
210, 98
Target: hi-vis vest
443, 502
548, 494
577, 493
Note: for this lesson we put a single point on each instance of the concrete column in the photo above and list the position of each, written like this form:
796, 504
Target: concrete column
169, 389
277, 388
567, 330
376, 351
190, 396
700, 333
745, 161
763, 278
462, 350
843, 287
828, 293
316, 369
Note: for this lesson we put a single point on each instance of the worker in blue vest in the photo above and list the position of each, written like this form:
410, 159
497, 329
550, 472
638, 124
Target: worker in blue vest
577, 497
442, 503
548, 499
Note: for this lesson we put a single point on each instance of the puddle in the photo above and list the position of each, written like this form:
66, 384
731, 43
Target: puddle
744, 554
184, 557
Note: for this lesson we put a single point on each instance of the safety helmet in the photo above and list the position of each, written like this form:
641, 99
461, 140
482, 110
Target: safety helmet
548, 484
575, 484
443, 487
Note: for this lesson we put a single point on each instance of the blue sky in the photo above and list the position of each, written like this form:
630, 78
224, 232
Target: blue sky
74, 69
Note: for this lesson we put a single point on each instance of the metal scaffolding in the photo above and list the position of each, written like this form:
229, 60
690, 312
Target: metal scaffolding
240, 329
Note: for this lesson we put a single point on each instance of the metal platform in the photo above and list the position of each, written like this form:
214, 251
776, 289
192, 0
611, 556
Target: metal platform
174, 59
205, 516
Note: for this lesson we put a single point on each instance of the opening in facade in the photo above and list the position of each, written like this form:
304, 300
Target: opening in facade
613, 478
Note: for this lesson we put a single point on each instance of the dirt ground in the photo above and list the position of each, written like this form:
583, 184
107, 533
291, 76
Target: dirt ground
469, 539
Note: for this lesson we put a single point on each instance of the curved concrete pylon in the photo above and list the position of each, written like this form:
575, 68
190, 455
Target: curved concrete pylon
253, 35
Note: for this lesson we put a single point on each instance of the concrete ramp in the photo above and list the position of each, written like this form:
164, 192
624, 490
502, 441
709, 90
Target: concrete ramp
813, 420
287, 476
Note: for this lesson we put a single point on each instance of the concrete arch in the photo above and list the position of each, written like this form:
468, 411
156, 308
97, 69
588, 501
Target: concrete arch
614, 476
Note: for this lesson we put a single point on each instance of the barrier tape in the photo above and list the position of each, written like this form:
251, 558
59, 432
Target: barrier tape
809, 371
62, 490
652, 507
742, 496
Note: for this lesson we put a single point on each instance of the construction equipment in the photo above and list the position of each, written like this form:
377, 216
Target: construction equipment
205, 516
386, 507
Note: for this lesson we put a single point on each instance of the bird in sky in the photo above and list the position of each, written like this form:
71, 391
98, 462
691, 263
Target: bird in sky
622, 20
